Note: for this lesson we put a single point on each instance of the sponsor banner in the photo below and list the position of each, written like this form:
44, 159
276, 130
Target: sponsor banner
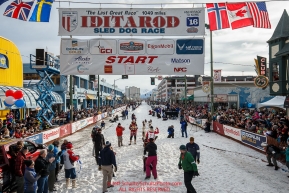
131, 21
217, 76
65, 130
38, 138
217, 127
253, 139
262, 65
75, 126
132, 56
89, 120
50, 135
192, 120
232, 132
83, 123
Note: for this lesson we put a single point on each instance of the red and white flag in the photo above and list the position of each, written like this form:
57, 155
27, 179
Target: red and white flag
260, 14
239, 15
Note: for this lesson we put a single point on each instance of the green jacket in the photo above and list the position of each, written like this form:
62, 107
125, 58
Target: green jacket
188, 163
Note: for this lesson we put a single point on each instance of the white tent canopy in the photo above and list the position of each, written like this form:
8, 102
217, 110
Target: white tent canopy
277, 101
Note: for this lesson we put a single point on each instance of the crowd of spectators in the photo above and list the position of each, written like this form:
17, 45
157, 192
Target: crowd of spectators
13, 127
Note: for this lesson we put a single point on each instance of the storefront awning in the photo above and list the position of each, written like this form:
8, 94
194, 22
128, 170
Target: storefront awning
30, 97
108, 98
89, 96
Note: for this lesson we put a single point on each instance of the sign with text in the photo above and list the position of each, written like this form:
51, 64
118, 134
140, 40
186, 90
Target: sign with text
38, 138
65, 130
132, 56
232, 132
253, 139
217, 127
50, 135
131, 21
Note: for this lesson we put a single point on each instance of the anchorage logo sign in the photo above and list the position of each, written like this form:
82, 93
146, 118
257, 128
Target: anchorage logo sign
132, 21
133, 56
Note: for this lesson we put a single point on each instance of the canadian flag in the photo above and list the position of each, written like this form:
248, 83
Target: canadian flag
239, 15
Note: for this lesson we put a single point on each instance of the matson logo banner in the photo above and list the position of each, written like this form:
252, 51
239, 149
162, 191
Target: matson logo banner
131, 21
132, 56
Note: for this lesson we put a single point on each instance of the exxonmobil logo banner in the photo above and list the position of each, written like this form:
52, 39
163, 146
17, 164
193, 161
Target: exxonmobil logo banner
50, 135
217, 127
232, 132
131, 21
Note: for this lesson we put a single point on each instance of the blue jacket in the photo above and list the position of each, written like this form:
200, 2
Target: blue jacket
194, 149
107, 157
52, 166
126, 112
170, 130
55, 152
30, 180
287, 153
183, 125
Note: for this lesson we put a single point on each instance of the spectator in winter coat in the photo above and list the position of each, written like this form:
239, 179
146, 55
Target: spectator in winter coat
20, 169
52, 166
207, 126
272, 152
18, 133
57, 155
63, 146
133, 131
98, 142
69, 158
107, 160
188, 164
152, 134
42, 168
286, 152
30, 177
126, 113
119, 132
194, 149
184, 128
150, 151
102, 125
171, 132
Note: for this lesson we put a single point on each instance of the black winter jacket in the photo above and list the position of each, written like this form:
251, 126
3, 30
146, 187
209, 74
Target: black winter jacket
98, 141
42, 166
107, 157
151, 148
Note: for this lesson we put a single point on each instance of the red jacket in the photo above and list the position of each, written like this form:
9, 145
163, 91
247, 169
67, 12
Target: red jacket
151, 134
72, 156
119, 130
18, 135
19, 164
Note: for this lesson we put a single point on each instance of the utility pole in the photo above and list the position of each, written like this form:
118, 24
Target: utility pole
98, 92
71, 97
185, 91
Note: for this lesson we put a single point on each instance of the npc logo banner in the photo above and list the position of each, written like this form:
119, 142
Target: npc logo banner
253, 139
131, 21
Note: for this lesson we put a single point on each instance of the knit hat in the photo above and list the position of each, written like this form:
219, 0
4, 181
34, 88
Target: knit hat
183, 147
192, 139
28, 162
50, 147
69, 145
107, 143
151, 128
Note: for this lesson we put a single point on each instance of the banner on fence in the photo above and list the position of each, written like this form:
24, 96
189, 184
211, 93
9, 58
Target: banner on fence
191, 119
253, 139
50, 135
217, 127
132, 56
131, 21
89, 120
75, 126
65, 130
38, 138
232, 132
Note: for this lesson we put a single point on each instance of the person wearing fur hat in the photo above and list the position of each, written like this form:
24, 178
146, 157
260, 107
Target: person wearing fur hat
69, 167
194, 149
106, 161
188, 164
286, 152
271, 152
133, 131
30, 177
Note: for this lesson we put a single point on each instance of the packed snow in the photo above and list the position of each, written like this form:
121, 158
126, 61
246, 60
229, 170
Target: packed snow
233, 169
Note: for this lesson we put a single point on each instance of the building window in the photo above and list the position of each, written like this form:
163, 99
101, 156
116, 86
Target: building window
275, 72
274, 50
31, 76
82, 83
74, 80
56, 79
90, 85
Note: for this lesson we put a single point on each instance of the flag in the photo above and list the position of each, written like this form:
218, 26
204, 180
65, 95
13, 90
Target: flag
2, 1
41, 12
260, 14
239, 15
217, 76
218, 17
18, 9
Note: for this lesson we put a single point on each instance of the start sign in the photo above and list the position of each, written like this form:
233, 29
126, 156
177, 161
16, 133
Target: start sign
131, 21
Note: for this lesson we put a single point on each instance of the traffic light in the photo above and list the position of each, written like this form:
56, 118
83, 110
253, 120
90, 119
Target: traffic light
124, 76
153, 81
173, 83
73, 90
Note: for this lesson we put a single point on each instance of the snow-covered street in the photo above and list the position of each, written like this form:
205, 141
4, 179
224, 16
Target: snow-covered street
232, 171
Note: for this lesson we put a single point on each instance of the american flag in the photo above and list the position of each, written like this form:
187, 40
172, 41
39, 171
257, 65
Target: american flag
18, 9
260, 14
